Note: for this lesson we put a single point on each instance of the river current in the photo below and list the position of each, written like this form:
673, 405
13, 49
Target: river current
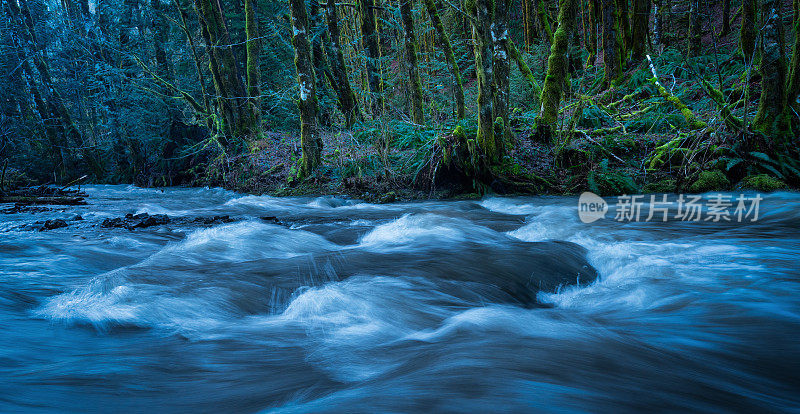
333, 305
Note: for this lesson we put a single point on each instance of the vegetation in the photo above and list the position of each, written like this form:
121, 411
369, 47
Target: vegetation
408, 98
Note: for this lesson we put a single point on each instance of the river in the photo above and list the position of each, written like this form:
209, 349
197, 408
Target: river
333, 305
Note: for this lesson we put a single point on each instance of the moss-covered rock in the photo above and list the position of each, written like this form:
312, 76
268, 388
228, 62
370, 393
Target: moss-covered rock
666, 185
710, 181
762, 182
389, 197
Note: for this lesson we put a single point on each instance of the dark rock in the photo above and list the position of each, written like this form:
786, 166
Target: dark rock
154, 220
77, 218
207, 221
272, 219
53, 224
117, 222
22, 208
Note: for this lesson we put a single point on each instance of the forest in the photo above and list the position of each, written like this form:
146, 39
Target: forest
395, 98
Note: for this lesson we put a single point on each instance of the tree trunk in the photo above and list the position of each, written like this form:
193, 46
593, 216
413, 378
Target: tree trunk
747, 33
695, 30
412, 70
347, 99
641, 20
529, 22
319, 43
612, 42
310, 142
253, 49
369, 35
501, 71
623, 13
726, 17
771, 116
481, 32
793, 88
544, 20
237, 116
657, 22
593, 18
556, 71
447, 47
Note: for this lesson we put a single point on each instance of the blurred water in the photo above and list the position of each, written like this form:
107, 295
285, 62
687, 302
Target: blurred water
454, 306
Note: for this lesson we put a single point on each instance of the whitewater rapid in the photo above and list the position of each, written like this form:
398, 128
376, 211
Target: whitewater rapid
334, 305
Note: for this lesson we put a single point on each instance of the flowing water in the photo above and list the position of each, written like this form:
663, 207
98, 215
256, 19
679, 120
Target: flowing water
500, 304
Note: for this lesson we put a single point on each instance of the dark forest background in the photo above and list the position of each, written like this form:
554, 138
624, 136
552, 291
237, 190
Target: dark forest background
373, 96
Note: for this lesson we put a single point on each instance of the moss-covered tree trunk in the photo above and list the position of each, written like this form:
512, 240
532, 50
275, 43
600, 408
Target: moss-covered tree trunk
447, 48
319, 42
481, 32
238, 119
369, 34
544, 19
793, 85
412, 69
253, 50
640, 26
310, 142
748, 30
524, 68
771, 116
501, 72
593, 19
657, 22
694, 47
556, 71
347, 99
726, 17
612, 42
625, 25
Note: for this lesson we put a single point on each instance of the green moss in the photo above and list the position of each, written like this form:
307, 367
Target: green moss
666, 185
762, 182
710, 181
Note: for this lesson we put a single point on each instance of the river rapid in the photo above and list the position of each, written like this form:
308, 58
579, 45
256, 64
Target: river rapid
333, 305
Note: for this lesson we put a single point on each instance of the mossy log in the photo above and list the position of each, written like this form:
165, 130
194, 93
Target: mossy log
691, 119
731, 121
524, 68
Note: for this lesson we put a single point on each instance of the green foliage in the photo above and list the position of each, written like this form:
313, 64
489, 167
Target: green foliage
604, 180
595, 117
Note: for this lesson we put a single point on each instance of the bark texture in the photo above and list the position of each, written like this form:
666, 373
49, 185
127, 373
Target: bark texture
310, 142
